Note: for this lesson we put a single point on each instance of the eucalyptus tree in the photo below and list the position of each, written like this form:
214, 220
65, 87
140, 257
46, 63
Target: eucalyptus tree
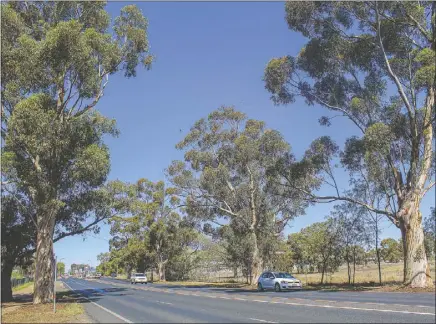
224, 176
56, 61
151, 224
373, 63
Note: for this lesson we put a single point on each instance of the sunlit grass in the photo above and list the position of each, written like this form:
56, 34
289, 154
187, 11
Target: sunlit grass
23, 286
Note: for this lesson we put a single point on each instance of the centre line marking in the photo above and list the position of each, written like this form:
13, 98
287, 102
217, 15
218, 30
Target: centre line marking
161, 302
261, 320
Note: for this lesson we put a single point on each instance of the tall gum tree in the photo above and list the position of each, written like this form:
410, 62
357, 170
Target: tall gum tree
56, 61
224, 177
152, 224
373, 63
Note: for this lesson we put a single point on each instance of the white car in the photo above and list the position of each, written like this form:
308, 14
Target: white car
278, 281
138, 278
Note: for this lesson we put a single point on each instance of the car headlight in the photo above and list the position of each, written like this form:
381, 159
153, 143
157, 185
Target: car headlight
283, 282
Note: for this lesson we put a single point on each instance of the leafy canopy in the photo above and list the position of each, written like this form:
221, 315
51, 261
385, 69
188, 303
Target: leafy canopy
373, 63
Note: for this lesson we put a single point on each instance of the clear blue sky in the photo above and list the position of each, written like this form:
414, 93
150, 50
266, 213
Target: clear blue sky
208, 54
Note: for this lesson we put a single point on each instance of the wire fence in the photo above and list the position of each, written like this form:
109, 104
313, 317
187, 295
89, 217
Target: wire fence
21, 281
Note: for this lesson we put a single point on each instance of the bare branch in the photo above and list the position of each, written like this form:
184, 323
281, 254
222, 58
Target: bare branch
315, 198
431, 185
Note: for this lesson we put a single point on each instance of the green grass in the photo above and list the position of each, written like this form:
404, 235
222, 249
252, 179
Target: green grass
23, 286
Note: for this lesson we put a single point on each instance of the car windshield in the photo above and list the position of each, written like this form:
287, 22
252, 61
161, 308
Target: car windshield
139, 275
283, 275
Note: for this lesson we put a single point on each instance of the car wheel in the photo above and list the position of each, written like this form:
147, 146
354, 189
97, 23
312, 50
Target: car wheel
259, 287
277, 287
131, 282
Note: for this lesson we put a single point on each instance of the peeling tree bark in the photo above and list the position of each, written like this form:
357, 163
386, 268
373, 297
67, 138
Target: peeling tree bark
416, 269
43, 287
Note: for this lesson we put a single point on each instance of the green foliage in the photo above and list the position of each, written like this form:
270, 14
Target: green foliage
225, 177
345, 60
60, 268
391, 250
57, 58
317, 247
147, 228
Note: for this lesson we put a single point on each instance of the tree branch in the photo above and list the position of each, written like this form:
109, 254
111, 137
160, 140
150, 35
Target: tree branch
421, 29
431, 185
82, 230
315, 198
388, 65
96, 99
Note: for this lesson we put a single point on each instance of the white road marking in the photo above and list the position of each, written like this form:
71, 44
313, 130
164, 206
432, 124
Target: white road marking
104, 308
161, 302
261, 320
361, 309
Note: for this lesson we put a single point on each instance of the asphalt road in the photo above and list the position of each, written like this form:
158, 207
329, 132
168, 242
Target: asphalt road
114, 301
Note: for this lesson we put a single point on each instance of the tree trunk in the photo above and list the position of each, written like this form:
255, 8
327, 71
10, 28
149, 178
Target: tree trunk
6, 280
354, 265
377, 251
161, 270
416, 269
128, 270
322, 276
256, 265
44, 272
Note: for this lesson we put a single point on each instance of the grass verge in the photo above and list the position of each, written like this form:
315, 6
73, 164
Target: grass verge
23, 286
29, 313
22, 310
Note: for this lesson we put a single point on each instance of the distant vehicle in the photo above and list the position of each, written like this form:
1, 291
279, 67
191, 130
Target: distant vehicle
98, 275
278, 281
138, 278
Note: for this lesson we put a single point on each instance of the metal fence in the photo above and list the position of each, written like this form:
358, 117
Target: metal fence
17, 282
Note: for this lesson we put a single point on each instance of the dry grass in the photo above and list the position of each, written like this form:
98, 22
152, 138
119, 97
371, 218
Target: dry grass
29, 313
391, 273
22, 310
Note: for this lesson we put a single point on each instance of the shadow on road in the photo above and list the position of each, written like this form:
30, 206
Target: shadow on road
75, 296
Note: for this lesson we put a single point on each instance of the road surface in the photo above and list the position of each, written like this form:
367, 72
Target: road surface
114, 301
